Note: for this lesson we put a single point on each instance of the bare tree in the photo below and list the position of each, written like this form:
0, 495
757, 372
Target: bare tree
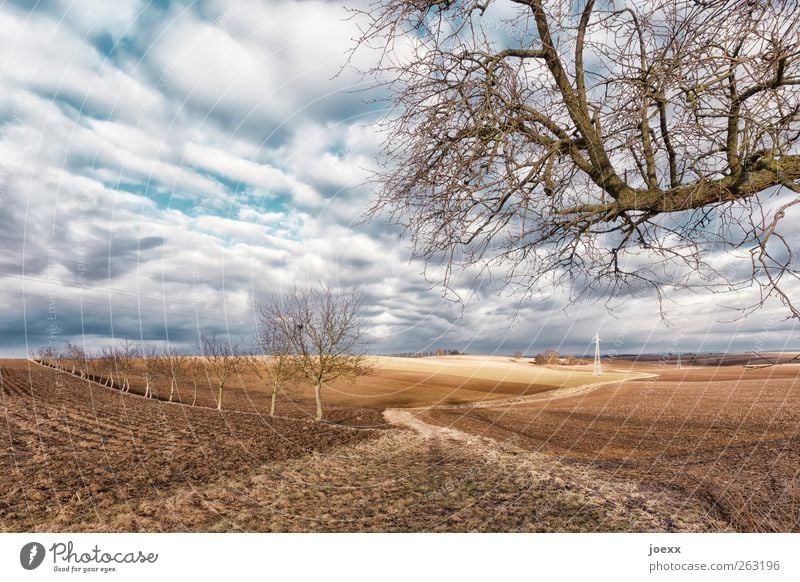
222, 358
75, 358
48, 355
106, 363
173, 364
120, 360
549, 357
193, 367
273, 359
152, 369
92, 358
606, 146
323, 331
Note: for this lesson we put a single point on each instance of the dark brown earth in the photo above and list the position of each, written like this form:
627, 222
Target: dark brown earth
75, 453
727, 437
705, 449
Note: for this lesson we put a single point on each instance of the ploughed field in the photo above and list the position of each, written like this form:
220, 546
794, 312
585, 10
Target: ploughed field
727, 437
391, 382
405, 449
75, 455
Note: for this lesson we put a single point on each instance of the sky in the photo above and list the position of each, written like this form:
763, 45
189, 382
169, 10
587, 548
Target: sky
166, 164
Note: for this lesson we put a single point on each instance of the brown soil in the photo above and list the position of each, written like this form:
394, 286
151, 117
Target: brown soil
727, 437
403, 482
706, 449
74, 454
717, 360
397, 389
354, 402
81, 457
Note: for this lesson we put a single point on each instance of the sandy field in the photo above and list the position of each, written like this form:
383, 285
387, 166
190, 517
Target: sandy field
394, 382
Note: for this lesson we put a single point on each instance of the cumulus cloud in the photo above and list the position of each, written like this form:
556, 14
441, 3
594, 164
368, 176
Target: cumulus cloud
164, 163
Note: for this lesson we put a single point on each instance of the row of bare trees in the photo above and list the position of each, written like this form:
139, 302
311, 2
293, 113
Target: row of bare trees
312, 337
116, 365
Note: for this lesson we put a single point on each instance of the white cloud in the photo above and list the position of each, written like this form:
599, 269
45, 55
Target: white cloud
242, 171
198, 99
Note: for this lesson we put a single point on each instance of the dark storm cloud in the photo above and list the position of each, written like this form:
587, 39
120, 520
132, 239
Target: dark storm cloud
23, 239
54, 315
109, 255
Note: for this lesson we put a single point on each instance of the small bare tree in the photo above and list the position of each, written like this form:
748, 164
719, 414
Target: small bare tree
122, 360
549, 357
273, 361
106, 364
323, 331
76, 359
152, 369
193, 366
92, 359
48, 355
173, 364
222, 358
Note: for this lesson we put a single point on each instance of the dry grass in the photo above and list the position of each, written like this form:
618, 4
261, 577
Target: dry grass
401, 482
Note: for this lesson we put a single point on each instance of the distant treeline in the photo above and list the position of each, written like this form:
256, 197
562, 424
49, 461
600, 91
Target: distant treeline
439, 352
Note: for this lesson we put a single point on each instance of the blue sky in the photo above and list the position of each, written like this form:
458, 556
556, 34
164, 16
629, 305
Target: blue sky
163, 163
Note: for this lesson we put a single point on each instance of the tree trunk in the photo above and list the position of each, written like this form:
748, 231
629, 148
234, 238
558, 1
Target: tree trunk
318, 396
171, 388
194, 398
219, 397
272, 404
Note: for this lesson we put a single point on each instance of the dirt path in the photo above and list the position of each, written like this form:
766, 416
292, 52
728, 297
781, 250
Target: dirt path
416, 481
624, 505
546, 396
405, 417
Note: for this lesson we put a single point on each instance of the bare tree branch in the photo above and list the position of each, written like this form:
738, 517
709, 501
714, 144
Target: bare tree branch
322, 331
600, 148
222, 359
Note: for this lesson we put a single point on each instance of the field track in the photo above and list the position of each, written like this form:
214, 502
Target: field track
727, 437
424, 480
